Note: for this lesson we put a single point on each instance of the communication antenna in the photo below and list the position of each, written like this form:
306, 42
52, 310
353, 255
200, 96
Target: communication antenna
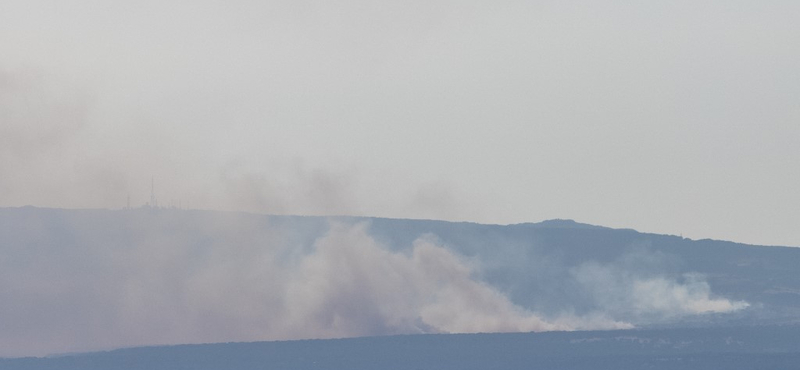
153, 202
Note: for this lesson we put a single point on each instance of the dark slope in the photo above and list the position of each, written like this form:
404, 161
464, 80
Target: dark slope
770, 347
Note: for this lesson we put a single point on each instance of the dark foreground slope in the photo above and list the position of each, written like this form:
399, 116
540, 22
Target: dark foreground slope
765, 347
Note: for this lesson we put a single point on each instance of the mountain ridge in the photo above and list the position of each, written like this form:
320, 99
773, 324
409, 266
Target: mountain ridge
555, 223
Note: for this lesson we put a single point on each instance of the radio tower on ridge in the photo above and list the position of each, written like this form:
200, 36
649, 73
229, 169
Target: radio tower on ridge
153, 202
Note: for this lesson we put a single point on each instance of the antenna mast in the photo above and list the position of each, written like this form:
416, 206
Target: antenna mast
153, 202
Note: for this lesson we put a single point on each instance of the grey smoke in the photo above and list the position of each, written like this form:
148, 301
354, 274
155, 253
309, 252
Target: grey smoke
59, 148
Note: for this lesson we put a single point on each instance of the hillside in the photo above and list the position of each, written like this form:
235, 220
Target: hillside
85, 280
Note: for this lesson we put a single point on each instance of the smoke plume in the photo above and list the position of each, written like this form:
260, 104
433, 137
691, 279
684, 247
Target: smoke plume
168, 277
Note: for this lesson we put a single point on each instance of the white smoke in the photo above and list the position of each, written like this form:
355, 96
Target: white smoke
621, 291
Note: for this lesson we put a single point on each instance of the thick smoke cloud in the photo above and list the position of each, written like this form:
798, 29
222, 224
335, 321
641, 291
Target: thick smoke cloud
87, 285
351, 286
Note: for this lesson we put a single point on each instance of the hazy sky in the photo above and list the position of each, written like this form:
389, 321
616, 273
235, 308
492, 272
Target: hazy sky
679, 117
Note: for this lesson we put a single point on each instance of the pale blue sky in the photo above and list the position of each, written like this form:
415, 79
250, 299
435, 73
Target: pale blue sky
679, 117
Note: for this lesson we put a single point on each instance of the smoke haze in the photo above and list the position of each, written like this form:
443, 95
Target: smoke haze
676, 117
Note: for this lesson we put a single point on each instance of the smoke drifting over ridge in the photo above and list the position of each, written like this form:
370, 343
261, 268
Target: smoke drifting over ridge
62, 145
83, 282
